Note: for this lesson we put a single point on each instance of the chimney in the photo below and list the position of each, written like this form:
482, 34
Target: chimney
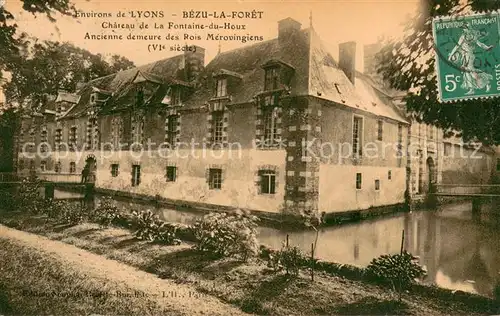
194, 61
347, 59
287, 27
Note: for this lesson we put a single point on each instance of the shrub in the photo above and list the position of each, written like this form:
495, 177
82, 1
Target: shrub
28, 197
149, 227
290, 259
399, 270
106, 212
67, 212
226, 235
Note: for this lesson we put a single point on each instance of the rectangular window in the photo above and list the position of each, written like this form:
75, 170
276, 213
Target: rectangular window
172, 129
380, 129
271, 79
32, 165
267, 181
389, 175
43, 166
72, 167
447, 149
72, 138
116, 132
218, 126
221, 88
377, 185
270, 130
175, 96
171, 173
215, 179
114, 169
58, 139
57, 167
21, 164
400, 145
136, 175
43, 141
358, 181
137, 129
357, 130
498, 164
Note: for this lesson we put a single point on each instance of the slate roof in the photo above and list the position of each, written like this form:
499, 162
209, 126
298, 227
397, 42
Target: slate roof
120, 84
316, 74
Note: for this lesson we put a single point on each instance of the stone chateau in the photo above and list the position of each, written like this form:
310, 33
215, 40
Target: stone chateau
272, 127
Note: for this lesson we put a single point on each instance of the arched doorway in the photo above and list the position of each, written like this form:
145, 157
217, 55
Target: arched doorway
430, 173
91, 164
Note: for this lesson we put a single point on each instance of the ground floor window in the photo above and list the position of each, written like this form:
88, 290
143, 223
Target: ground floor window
171, 173
43, 166
114, 169
215, 179
389, 175
57, 167
358, 181
136, 175
377, 185
72, 167
267, 181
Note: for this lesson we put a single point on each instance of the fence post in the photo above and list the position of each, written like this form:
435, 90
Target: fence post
312, 262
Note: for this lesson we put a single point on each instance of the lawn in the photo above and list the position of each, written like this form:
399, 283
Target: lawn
250, 286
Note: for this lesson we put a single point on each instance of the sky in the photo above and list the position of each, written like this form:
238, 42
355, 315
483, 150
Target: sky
335, 21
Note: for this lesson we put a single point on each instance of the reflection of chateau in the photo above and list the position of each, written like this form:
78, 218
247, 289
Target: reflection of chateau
457, 253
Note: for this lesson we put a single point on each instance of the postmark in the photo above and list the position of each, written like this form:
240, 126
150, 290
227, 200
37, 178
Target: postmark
467, 56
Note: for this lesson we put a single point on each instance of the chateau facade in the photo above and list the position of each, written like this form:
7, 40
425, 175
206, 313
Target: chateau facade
272, 127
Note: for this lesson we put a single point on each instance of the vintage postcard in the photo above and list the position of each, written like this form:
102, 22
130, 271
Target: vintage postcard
238, 157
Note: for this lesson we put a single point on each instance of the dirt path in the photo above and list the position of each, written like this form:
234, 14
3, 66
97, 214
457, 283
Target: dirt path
181, 298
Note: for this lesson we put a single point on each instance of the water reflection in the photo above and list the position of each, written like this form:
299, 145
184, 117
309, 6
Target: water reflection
459, 252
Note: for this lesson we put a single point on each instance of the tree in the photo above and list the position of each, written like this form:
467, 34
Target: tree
409, 65
50, 66
40, 69
11, 43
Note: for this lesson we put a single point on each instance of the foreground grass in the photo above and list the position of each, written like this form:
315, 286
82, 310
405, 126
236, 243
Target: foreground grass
250, 286
34, 284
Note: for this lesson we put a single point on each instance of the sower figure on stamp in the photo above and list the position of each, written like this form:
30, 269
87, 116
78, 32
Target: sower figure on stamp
473, 78
85, 173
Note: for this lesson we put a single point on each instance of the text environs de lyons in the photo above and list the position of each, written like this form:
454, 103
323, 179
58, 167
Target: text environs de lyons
190, 14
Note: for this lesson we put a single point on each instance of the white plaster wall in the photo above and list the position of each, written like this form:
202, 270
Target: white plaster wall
337, 187
238, 187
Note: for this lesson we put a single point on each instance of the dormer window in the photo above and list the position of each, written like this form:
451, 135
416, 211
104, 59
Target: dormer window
221, 87
271, 78
173, 96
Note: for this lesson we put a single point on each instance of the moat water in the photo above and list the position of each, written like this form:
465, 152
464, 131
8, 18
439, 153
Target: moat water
459, 251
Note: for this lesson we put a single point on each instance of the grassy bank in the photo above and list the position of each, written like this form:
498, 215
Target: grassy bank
35, 284
250, 286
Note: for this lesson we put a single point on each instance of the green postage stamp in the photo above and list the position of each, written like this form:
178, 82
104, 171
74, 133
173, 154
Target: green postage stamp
467, 56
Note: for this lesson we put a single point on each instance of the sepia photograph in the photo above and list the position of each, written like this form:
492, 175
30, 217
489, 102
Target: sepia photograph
250, 157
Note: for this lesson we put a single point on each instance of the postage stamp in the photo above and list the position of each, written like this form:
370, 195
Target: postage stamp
467, 52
